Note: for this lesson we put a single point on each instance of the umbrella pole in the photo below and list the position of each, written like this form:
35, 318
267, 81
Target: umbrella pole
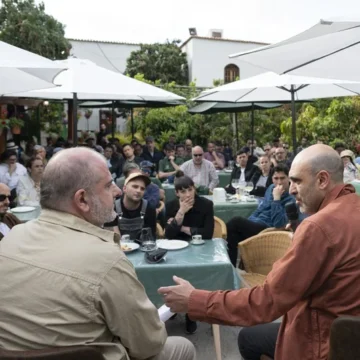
113, 119
237, 131
252, 127
75, 119
293, 116
132, 123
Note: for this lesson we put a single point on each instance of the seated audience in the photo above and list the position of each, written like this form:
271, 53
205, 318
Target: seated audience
243, 170
188, 149
138, 151
69, 282
314, 283
215, 157
28, 188
150, 152
271, 213
7, 220
256, 150
114, 163
201, 171
180, 151
133, 211
28, 153
169, 164
129, 155
40, 152
11, 170
339, 147
280, 157
351, 172
262, 177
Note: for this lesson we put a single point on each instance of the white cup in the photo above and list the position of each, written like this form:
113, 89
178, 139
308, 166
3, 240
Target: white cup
197, 239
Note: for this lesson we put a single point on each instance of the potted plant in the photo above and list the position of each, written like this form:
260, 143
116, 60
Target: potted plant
16, 124
88, 113
4, 124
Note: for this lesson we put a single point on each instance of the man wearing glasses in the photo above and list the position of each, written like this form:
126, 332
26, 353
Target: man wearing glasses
201, 171
7, 220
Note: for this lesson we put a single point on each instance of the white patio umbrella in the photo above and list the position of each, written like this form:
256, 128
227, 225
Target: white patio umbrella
330, 49
86, 81
21, 70
271, 87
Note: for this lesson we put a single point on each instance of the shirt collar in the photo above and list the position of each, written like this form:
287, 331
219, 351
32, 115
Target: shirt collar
337, 191
73, 222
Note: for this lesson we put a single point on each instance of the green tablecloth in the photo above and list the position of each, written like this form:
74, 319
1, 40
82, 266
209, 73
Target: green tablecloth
226, 210
356, 185
206, 267
224, 178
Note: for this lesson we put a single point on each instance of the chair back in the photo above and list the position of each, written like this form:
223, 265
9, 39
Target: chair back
345, 338
59, 353
220, 230
260, 252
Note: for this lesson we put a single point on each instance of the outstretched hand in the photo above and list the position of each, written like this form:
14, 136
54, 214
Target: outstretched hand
177, 296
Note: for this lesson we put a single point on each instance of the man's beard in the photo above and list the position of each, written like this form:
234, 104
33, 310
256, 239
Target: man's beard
99, 213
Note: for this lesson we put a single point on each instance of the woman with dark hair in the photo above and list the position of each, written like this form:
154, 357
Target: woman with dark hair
189, 214
11, 170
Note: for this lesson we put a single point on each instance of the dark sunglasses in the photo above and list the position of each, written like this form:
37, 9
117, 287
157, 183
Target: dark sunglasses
3, 197
196, 155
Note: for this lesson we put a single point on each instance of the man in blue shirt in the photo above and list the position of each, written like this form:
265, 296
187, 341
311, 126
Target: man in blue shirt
271, 213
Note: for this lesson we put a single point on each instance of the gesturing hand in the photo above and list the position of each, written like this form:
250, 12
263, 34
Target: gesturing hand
186, 205
177, 297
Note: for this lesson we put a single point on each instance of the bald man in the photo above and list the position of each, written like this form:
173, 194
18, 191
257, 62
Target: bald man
201, 171
68, 277
317, 280
7, 220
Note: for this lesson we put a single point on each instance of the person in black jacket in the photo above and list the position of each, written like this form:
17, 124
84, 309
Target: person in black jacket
262, 177
115, 164
243, 170
189, 214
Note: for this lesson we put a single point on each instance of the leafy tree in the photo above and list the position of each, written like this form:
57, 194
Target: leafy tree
163, 62
26, 25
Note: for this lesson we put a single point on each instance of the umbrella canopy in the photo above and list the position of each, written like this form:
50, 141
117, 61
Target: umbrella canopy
21, 70
91, 82
270, 87
129, 104
330, 49
216, 107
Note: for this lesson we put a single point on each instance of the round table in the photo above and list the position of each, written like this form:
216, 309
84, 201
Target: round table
224, 178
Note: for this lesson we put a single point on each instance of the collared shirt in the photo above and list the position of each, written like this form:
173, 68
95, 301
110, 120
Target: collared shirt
28, 194
4, 229
11, 180
166, 166
210, 157
72, 285
203, 175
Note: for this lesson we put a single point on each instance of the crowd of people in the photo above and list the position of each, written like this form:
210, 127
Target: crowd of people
103, 190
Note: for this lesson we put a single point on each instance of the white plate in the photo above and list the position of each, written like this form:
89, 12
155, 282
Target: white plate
22, 209
199, 242
130, 247
172, 244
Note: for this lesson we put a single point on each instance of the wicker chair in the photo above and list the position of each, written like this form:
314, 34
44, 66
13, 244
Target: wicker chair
60, 353
345, 338
220, 230
159, 231
272, 229
259, 253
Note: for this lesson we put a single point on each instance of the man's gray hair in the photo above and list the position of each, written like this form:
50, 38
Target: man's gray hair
67, 172
329, 162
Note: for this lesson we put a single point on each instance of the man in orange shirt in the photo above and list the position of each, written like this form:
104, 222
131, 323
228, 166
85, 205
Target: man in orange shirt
317, 280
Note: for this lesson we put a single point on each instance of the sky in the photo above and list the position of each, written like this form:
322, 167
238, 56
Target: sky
149, 21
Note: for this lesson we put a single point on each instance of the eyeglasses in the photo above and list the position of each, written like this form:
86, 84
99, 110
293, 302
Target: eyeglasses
196, 155
3, 197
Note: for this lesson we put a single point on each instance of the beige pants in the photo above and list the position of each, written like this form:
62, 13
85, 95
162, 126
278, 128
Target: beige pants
176, 348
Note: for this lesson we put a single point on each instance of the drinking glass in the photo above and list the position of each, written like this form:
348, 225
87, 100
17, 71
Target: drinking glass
249, 187
147, 243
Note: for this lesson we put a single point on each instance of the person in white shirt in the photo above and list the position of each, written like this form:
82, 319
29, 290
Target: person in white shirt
28, 189
10, 169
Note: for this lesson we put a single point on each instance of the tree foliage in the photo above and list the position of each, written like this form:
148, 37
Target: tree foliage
164, 62
26, 25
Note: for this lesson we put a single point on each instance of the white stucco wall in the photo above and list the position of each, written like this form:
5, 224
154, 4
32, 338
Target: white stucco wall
108, 55
208, 59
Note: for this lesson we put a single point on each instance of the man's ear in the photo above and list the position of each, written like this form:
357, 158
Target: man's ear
81, 201
323, 179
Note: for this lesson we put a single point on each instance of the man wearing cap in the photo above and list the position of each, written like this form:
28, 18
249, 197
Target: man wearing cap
133, 212
169, 165
150, 153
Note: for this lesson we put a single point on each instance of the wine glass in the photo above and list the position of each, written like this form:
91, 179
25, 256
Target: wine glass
235, 185
242, 186
249, 187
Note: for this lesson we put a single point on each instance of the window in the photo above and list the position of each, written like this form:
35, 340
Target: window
232, 73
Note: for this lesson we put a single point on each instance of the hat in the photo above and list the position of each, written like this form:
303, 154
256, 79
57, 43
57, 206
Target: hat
149, 139
135, 176
347, 153
146, 164
90, 138
11, 146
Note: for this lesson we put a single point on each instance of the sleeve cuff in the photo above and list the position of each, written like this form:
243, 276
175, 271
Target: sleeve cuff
197, 305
